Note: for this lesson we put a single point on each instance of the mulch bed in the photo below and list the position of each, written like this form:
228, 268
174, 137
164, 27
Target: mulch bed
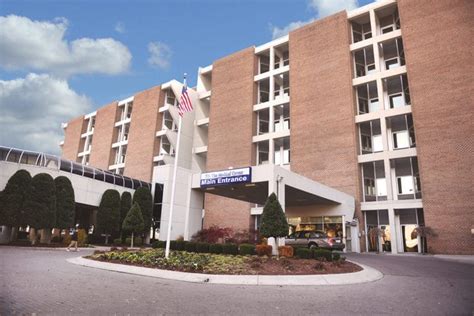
294, 266
272, 266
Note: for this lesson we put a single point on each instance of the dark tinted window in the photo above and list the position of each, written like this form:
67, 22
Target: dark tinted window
136, 184
3, 153
14, 155
77, 169
109, 177
88, 172
99, 175
65, 165
118, 180
128, 182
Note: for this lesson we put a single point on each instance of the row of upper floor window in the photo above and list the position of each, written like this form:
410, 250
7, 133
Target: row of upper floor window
386, 20
403, 181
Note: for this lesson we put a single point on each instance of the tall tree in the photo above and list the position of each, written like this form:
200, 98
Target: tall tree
125, 205
273, 222
65, 203
108, 216
143, 197
12, 213
134, 221
40, 204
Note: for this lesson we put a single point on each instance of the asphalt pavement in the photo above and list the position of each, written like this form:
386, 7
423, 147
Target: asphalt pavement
43, 282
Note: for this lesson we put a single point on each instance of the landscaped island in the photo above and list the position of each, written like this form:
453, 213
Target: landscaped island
229, 264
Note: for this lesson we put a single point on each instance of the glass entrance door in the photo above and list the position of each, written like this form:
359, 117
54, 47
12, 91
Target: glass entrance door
410, 241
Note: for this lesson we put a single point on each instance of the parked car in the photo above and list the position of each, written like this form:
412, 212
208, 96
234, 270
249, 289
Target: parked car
314, 239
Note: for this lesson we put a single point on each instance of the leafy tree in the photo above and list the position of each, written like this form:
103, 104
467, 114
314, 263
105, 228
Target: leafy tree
134, 221
108, 216
12, 211
142, 196
40, 204
273, 223
65, 204
125, 205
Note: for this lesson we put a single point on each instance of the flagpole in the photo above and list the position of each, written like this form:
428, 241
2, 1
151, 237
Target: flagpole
173, 185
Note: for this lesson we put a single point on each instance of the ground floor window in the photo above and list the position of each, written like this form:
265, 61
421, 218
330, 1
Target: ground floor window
331, 225
378, 230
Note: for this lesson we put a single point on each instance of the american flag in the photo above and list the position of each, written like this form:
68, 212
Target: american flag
185, 104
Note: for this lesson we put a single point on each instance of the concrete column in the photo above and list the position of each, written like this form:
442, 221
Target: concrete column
393, 231
344, 237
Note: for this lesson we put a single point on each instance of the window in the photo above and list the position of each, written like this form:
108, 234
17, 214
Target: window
405, 185
282, 117
377, 143
262, 153
396, 100
170, 98
263, 121
401, 140
264, 64
282, 151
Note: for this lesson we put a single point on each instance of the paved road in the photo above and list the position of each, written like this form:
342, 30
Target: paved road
42, 282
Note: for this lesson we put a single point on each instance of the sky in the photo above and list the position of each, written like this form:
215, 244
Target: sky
60, 59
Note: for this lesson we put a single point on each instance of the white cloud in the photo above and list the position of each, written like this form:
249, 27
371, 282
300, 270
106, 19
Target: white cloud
160, 54
33, 108
322, 8
327, 7
40, 45
120, 27
279, 32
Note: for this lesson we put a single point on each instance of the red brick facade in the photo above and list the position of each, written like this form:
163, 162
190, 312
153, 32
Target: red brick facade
230, 132
72, 138
323, 132
101, 153
142, 139
440, 74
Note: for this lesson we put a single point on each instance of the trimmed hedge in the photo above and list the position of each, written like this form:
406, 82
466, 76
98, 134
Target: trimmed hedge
202, 247
321, 254
336, 256
215, 248
137, 241
190, 246
230, 249
247, 249
177, 245
159, 244
117, 241
304, 253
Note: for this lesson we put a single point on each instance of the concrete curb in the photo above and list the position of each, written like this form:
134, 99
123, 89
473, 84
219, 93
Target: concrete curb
368, 274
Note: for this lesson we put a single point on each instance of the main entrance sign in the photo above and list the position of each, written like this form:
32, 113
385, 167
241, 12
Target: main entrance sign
225, 177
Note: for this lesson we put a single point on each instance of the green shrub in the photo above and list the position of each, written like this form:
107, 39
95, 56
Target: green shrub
230, 249
247, 249
56, 239
143, 197
322, 254
14, 196
108, 214
137, 241
40, 203
190, 246
215, 248
65, 205
202, 247
336, 256
303, 253
117, 241
178, 245
159, 244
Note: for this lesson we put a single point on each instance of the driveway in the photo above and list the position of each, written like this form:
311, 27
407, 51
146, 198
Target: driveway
42, 282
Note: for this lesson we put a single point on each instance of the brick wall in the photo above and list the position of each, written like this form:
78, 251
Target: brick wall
323, 131
145, 121
231, 124
437, 36
103, 137
72, 138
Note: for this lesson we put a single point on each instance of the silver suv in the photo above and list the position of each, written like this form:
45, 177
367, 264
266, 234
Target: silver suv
314, 239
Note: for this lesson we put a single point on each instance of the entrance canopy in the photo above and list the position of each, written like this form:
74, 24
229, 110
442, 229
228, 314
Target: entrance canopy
254, 184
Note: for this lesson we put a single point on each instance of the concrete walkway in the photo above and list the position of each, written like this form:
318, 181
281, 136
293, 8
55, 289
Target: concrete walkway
367, 274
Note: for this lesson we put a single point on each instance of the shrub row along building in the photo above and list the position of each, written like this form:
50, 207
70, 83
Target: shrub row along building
361, 122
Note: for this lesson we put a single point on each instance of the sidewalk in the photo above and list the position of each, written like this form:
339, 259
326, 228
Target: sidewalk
368, 274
